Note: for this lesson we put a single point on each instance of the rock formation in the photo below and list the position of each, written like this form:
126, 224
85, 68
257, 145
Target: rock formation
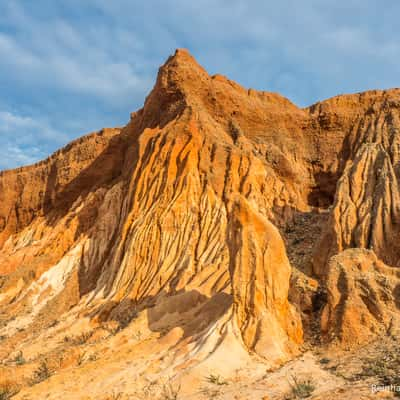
366, 212
183, 223
363, 297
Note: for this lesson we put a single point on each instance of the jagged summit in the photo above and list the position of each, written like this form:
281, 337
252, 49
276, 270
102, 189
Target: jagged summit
180, 71
182, 82
222, 229
181, 58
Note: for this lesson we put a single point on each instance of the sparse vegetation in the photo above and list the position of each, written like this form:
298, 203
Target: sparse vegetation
216, 380
5, 394
163, 391
324, 360
170, 391
19, 359
211, 393
114, 396
79, 339
6, 391
41, 374
386, 369
148, 390
380, 368
53, 324
301, 389
112, 329
81, 359
92, 357
127, 318
137, 335
82, 338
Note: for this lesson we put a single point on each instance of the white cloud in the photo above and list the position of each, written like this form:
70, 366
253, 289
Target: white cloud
25, 127
13, 156
91, 73
13, 54
54, 54
24, 140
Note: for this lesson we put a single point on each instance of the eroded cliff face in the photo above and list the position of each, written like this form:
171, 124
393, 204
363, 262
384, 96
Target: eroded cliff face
184, 221
363, 297
366, 209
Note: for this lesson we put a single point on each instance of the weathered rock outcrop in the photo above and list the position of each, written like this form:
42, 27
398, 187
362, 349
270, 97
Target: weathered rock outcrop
260, 274
366, 212
157, 220
363, 298
177, 224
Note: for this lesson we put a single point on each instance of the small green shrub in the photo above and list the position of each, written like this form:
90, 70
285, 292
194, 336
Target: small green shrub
170, 392
6, 391
324, 360
216, 380
302, 389
41, 374
82, 338
19, 359
79, 339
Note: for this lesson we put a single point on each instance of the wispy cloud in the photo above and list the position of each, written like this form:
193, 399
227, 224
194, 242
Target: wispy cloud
14, 156
25, 140
71, 64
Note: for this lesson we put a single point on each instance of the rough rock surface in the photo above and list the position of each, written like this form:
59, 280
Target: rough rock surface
366, 213
164, 248
363, 297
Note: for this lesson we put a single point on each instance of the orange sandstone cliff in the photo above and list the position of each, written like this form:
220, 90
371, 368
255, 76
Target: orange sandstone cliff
220, 230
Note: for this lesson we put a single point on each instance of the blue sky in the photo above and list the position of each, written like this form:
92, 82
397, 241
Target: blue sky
71, 67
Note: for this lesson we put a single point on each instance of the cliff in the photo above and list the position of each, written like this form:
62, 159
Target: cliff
215, 221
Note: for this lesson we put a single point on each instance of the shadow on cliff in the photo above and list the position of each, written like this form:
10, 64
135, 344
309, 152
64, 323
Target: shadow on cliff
396, 295
191, 311
104, 169
322, 194
116, 161
301, 232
